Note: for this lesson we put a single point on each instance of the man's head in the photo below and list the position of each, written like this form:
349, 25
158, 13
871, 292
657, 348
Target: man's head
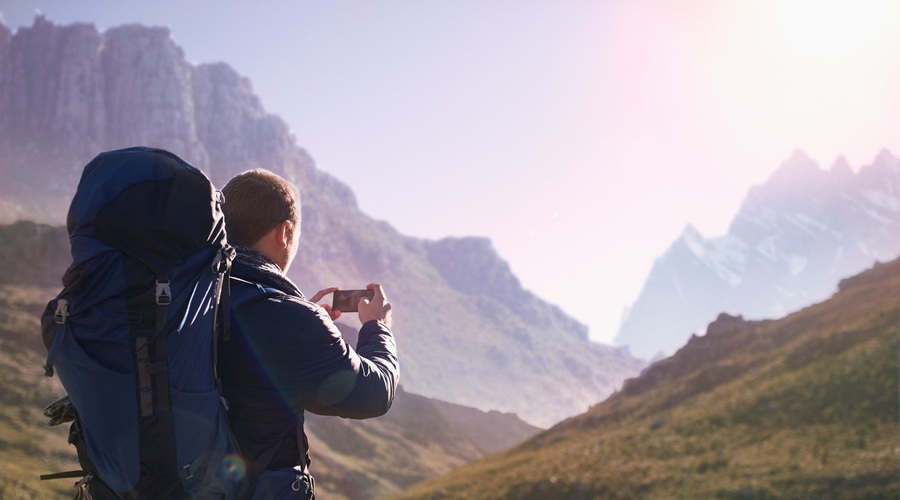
262, 211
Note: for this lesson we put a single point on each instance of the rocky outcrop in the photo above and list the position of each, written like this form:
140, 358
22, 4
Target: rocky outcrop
148, 96
230, 118
48, 87
5, 42
69, 92
471, 265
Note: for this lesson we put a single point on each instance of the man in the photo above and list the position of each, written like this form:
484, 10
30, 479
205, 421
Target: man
285, 355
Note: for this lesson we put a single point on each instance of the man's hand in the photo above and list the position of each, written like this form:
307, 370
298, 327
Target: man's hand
378, 308
318, 296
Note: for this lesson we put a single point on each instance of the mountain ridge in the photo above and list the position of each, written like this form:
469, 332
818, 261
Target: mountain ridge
794, 237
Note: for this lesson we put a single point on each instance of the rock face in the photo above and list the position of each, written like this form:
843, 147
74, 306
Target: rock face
471, 266
147, 91
793, 240
243, 133
70, 92
467, 331
55, 93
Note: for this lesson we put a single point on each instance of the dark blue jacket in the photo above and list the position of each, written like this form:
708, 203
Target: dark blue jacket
285, 356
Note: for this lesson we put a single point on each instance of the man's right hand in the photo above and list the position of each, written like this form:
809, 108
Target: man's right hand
378, 308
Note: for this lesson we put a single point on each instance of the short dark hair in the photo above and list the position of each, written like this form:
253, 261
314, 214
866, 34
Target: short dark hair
256, 201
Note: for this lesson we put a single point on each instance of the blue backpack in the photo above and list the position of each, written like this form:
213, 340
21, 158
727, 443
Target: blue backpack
132, 335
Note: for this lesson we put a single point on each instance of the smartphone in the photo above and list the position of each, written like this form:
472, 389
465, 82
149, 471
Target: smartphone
348, 300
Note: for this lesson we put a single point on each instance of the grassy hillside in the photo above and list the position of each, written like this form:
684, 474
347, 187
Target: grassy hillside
28, 448
418, 438
802, 407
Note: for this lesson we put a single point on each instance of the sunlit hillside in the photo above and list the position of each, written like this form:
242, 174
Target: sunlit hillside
27, 446
801, 407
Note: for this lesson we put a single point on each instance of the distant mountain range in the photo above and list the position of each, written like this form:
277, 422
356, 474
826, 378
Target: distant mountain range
805, 406
794, 238
468, 333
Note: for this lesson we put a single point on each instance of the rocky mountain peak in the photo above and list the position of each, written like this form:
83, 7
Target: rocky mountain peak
885, 157
841, 168
725, 324
797, 168
793, 239
885, 166
690, 232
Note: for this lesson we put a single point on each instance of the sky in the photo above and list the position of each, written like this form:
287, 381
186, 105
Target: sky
581, 137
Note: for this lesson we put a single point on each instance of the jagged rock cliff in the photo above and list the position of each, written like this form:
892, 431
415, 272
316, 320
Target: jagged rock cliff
69, 92
471, 266
467, 332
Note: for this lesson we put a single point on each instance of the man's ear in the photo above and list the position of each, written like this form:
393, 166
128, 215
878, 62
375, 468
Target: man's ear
285, 232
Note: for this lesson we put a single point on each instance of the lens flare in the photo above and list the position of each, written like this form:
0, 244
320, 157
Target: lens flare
234, 467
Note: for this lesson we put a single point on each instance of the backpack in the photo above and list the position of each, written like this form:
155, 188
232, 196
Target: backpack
132, 336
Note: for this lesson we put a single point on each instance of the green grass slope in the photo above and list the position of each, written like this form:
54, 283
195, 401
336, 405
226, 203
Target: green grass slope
28, 448
801, 407
418, 438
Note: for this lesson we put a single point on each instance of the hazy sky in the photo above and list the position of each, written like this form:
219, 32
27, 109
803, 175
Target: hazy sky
580, 136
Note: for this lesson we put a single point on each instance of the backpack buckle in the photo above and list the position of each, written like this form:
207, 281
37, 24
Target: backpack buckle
61, 312
163, 293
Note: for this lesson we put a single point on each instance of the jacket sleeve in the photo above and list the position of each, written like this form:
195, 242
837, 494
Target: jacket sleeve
331, 378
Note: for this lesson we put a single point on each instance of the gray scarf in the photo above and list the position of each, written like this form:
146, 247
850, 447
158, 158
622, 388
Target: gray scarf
254, 266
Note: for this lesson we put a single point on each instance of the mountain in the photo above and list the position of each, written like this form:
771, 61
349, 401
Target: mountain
419, 437
793, 239
68, 93
806, 406
467, 331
